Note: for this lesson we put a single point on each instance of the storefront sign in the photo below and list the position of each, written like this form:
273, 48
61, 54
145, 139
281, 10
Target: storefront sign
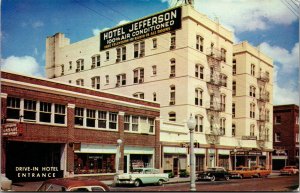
246, 153
144, 28
249, 137
12, 129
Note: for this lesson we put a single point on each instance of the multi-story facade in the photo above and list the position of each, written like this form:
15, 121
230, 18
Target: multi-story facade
252, 101
187, 70
286, 136
73, 131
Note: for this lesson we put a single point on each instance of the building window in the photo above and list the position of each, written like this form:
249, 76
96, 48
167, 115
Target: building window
139, 95
127, 123
62, 69
252, 128
277, 119
70, 81
79, 116
233, 130
121, 80
90, 118
172, 116
223, 102
102, 119
252, 91
124, 53
223, 54
59, 114
13, 108
223, 80
138, 75
198, 96
252, 110
199, 71
233, 110
142, 48
113, 117
96, 82
154, 70
80, 65
154, 96
135, 123
172, 67
277, 137
106, 79
70, 65
80, 82
141, 52
45, 112
234, 66
172, 95
151, 125
95, 61
267, 115
154, 43
297, 138
29, 110
297, 120
118, 54
222, 126
199, 123
234, 88
199, 43
267, 134
252, 69
121, 52
107, 55
136, 50
173, 40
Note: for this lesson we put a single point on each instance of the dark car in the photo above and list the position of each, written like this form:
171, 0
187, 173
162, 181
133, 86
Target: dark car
72, 184
214, 173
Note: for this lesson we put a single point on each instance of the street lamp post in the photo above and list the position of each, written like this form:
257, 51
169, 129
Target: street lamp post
191, 125
235, 150
119, 142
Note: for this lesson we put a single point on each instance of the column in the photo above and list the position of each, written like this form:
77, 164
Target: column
157, 155
3, 140
121, 136
71, 139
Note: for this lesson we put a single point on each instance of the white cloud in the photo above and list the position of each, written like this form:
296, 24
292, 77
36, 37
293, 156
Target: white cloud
285, 95
37, 24
97, 31
245, 15
24, 65
288, 59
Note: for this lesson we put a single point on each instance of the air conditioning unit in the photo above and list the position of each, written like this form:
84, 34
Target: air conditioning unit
144, 128
172, 47
118, 60
93, 66
141, 80
77, 70
118, 84
172, 75
172, 102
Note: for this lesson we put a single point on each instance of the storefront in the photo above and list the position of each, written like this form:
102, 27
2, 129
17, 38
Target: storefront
279, 159
175, 159
223, 158
199, 159
248, 158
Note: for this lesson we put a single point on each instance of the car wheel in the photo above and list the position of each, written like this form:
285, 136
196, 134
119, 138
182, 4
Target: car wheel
213, 178
160, 182
226, 178
137, 183
241, 176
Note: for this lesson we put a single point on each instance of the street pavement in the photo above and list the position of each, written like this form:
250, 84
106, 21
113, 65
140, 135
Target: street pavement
33, 186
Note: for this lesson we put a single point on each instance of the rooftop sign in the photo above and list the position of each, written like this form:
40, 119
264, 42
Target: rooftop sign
144, 28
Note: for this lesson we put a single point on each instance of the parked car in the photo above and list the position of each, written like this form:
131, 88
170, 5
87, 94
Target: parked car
214, 173
5, 183
142, 176
72, 184
261, 171
289, 170
242, 172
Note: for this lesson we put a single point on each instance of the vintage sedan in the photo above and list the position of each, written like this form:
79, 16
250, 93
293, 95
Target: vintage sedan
73, 185
242, 172
142, 176
214, 173
260, 171
289, 170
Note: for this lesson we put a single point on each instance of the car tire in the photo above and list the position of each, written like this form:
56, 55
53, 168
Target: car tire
160, 182
137, 183
213, 178
241, 176
226, 178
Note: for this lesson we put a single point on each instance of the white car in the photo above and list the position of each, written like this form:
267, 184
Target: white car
142, 176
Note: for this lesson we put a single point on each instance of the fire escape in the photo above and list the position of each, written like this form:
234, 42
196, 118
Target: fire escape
213, 106
262, 99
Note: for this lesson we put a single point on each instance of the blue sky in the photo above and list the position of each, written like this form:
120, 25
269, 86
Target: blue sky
269, 24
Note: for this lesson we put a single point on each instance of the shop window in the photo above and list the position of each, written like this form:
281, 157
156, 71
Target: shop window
198, 96
92, 163
90, 118
140, 161
45, 112
199, 163
102, 117
59, 114
113, 117
13, 108
135, 123
79, 116
29, 110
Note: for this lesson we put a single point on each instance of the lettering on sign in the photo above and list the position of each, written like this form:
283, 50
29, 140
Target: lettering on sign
11, 129
144, 28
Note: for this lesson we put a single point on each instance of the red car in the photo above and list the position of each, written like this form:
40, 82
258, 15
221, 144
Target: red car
72, 184
289, 170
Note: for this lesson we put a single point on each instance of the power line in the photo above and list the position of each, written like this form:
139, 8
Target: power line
284, 2
291, 6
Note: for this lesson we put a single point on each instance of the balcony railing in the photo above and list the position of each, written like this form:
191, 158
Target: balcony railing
263, 98
213, 106
214, 53
264, 77
213, 80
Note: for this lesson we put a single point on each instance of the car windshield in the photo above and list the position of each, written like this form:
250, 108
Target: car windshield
137, 171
